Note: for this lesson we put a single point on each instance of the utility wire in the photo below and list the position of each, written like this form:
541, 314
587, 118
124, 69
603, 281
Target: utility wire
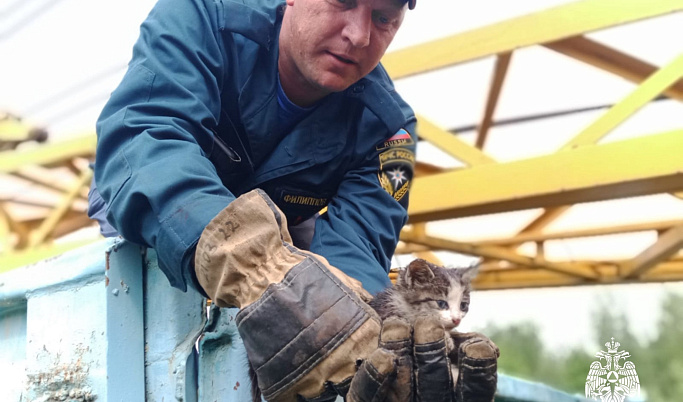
75, 108
26, 20
10, 9
540, 116
57, 98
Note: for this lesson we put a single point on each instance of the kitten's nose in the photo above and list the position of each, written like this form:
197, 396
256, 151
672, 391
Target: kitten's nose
456, 321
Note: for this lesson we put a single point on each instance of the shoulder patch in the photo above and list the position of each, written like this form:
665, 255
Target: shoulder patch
396, 171
402, 137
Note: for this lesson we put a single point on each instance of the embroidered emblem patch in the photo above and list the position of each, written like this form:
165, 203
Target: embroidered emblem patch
396, 171
402, 137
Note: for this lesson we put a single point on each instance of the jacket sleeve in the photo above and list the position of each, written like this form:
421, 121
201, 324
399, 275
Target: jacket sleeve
359, 232
154, 136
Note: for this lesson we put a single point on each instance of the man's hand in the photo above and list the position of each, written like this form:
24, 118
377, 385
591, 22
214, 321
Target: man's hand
303, 322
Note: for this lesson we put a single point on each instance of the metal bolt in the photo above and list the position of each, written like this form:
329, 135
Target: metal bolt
115, 292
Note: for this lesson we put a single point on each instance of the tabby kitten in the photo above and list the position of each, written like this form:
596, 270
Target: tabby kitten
423, 288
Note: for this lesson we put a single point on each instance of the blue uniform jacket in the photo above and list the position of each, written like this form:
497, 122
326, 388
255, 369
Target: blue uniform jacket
192, 125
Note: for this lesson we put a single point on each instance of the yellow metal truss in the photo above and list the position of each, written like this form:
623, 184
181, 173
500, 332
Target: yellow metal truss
24, 240
591, 171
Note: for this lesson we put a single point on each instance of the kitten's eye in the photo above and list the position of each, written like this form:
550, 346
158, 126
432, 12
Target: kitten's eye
443, 305
464, 306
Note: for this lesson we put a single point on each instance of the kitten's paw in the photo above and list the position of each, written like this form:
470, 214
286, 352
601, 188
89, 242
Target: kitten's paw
450, 343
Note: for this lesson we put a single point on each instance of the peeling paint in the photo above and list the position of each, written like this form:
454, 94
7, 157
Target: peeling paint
61, 381
125, 287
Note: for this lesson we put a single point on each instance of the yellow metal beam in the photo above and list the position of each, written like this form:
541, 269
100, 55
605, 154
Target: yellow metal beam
42, 176
612, 60
547, 217
420, 229
645, 93
515, 278
5, 226
575, 270
450, 143
639, 166
426, 169
13, 130
49, 224
521, 277
11, 161
499, 73
600, 231
546, 26
409, 248
666, 246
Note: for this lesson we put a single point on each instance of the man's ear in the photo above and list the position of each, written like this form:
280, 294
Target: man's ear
290, 2
417, 271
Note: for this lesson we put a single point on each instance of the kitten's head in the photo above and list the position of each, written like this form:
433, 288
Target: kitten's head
431, 289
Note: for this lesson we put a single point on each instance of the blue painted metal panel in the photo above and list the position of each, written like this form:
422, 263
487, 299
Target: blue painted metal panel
79, 266
223, 367
66, 344
173, 322
513, 389
12, 350
125, 323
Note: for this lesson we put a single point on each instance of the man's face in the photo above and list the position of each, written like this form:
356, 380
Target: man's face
327, 45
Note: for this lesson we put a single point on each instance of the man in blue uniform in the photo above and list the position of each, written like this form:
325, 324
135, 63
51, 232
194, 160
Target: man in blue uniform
236, 124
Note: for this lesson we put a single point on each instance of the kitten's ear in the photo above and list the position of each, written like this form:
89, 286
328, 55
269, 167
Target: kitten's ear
417, 271
467, 274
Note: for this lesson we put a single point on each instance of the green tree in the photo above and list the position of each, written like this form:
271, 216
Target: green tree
660, 366
521, 349
659, 363
610, 321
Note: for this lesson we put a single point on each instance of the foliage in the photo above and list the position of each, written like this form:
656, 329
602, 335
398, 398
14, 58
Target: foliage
659, 362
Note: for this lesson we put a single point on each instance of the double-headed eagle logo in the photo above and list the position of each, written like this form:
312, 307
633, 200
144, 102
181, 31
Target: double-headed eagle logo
612, 382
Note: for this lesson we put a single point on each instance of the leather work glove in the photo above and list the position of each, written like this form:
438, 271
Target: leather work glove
476, 357
418, 367
387, 374
304, 323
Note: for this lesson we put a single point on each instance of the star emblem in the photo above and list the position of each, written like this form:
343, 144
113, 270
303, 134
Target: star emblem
397, 176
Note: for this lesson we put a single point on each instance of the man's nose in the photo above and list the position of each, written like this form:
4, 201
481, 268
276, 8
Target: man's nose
358, 27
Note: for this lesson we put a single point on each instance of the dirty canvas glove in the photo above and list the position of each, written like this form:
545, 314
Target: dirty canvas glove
304, 323
387, 375
410, 365
476, 357
433, 378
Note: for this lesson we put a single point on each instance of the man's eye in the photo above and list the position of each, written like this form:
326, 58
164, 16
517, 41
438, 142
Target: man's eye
443, 305
382, 19
464, 306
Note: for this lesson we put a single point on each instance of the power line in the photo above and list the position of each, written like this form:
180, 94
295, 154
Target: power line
540, 116
27, 19
76, 108
10, 9
59, 97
